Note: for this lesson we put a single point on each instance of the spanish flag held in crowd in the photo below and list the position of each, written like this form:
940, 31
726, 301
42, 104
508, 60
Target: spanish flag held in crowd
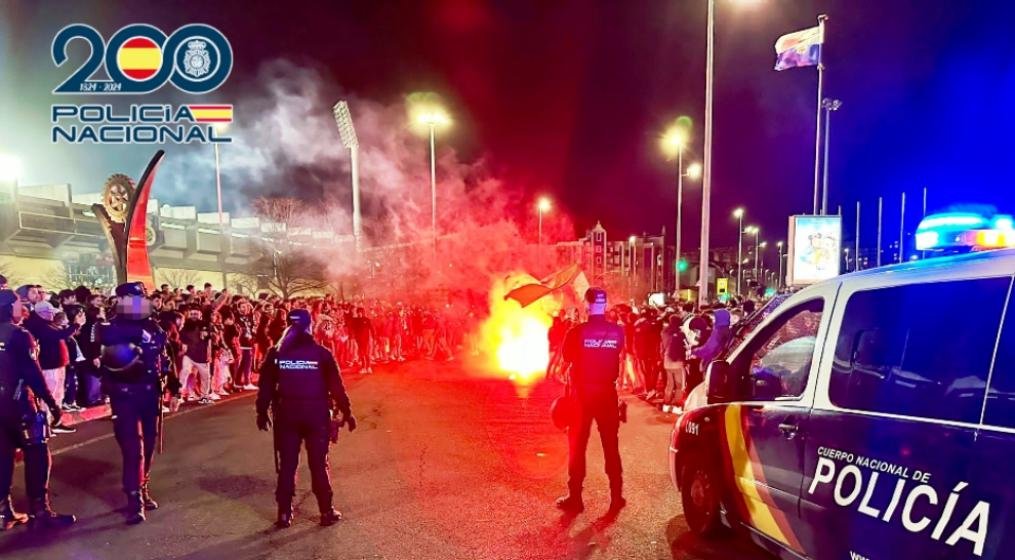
800, 48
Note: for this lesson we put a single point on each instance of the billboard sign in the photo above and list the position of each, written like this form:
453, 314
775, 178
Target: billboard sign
815, 243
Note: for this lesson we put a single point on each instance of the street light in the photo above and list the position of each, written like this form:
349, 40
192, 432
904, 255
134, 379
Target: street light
828, 105
779, 245
758, 257
10, 168
425, 112
347, 133
220, 128
673, 142
756, 232
542, 205
739, 215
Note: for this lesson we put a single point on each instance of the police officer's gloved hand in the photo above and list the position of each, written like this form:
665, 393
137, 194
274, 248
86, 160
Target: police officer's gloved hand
350, 421
263, 422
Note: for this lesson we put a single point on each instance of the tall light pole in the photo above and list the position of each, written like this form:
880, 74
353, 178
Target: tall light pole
757, 256
778, 284
432, 116
542, 205
706, 176
347, 132
673, 142
739, 215
756, 232
828, 105
220, 127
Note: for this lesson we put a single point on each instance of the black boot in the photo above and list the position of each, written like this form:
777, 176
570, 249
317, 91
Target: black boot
330, 517
43, 517
146, 497
285, 516
8, 517
572, 502
135, 508
617, 501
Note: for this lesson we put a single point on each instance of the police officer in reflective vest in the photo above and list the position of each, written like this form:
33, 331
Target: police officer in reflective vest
22, 424
131, 365
301, 384
593, 352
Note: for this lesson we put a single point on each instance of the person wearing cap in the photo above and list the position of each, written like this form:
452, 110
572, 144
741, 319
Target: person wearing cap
22, 424
301, 385
53, 353
592, 350
132, 364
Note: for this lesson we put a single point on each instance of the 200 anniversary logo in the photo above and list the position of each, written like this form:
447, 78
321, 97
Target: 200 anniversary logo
140, 59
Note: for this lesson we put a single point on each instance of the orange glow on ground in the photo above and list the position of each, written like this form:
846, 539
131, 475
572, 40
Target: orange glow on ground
514, 338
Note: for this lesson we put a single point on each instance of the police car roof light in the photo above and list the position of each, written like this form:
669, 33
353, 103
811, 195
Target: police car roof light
965, 230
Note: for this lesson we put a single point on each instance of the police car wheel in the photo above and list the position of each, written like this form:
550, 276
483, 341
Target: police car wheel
699, 493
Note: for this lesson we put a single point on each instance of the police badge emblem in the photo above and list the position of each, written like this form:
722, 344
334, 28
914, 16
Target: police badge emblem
196, 61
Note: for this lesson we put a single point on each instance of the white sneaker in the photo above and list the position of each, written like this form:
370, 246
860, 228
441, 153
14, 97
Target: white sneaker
250, 387
205, 400
223, 393
213, 397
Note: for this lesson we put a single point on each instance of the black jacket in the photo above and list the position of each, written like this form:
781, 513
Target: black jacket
19, 369
298, 370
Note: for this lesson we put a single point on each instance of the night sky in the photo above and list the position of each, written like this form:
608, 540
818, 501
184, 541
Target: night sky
569, 98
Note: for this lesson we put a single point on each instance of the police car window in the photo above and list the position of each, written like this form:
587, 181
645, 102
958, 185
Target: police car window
780, 361
918, 350
1001, 394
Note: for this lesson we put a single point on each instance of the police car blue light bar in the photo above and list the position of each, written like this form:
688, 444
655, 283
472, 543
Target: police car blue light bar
965, 231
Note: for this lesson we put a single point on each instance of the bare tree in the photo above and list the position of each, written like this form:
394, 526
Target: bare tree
288, 264
176, 278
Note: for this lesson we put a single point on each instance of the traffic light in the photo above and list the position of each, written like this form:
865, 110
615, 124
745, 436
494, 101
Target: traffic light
682, 265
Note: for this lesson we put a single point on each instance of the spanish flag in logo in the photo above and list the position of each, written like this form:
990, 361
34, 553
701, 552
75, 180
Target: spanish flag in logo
211, 113
139, 58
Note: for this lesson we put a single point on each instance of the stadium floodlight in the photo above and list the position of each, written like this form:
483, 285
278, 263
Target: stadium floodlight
10, 168
347, 132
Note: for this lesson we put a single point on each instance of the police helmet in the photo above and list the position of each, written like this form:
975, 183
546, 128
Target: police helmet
131, 289
132, 301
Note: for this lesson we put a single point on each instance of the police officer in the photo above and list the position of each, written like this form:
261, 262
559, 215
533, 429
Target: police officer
301, 384
22, 424
131, 365
593, 351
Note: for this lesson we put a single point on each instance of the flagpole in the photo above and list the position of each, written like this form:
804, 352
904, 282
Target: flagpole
817, 132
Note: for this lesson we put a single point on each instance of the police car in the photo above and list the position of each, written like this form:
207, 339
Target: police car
871, 416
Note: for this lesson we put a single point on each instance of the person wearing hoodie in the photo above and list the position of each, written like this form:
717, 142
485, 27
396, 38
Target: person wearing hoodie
53, 353
717, 341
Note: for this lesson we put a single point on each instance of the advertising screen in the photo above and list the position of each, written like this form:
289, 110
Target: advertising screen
814, 246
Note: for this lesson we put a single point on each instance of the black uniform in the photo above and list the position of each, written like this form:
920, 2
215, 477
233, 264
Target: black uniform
23, 425
594, 351
301, 384
132, 365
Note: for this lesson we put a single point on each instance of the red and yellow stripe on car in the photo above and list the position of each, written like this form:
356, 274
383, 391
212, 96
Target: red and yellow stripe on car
756, 505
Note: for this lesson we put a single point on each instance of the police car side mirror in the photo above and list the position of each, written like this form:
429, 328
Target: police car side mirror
717, 378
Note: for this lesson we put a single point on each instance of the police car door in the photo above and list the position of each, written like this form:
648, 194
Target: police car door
766, 432
894, 421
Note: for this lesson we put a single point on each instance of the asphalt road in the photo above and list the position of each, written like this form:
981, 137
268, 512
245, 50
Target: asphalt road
446, 464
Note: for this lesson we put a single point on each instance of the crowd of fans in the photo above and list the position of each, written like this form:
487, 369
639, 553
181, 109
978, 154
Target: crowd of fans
216, 339
664, 349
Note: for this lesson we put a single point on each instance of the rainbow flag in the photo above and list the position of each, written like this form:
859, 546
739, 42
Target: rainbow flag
800, 48
139, 58
211, 113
